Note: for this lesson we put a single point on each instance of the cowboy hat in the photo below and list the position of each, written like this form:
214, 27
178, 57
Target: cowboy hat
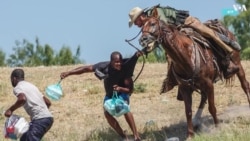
133, 15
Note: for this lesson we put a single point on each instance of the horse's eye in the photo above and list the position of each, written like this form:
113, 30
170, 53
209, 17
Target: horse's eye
152, 24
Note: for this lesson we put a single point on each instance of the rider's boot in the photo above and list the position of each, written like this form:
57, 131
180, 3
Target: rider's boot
231, 68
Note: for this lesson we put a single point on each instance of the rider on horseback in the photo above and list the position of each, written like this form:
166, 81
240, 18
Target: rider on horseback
170, 15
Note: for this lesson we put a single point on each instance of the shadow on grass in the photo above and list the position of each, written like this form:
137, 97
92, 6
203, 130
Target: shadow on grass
152, 133
105, 134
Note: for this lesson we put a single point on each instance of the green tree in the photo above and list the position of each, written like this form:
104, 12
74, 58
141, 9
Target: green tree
2, 58
19, 55
48, 56
35, 54
246, 53
25, 54
240, 25
77, 56
28, 54
65, 56
157, 55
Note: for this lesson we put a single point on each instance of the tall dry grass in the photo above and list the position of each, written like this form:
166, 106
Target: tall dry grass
79, 113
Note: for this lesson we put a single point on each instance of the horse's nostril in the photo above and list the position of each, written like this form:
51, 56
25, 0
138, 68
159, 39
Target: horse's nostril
143, 41
144, 38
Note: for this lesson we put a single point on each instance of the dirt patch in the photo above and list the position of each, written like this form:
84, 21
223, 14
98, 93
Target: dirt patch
228, 116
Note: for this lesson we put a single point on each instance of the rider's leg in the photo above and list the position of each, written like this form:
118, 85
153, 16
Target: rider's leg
230, 67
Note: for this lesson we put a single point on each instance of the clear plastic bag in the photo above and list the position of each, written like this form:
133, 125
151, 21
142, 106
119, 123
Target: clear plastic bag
54, 91
15, 127
116, 106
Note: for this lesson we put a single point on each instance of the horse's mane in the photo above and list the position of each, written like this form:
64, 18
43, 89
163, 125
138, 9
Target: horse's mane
178, 37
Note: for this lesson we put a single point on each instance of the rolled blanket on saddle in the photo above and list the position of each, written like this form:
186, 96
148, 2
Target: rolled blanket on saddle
168, 14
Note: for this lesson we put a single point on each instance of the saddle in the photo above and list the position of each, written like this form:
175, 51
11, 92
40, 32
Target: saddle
211, 34
223, 33
171, 80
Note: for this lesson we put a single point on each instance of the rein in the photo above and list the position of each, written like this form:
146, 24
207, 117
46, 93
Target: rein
128, 41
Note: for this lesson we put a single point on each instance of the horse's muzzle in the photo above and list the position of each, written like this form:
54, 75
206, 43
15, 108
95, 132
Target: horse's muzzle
147, 42
143, 41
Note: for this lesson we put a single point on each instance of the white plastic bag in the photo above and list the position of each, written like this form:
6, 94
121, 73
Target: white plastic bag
15, 127
54, 91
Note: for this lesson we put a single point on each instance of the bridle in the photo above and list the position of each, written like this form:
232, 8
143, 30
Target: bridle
153, 35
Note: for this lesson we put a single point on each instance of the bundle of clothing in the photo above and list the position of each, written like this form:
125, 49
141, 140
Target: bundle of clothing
168, 14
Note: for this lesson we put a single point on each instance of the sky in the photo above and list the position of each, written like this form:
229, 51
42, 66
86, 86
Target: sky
99, 27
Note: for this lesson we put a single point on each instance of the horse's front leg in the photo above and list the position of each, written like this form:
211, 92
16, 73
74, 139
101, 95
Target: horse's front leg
211, 104
197, 117
186, 93
244, 83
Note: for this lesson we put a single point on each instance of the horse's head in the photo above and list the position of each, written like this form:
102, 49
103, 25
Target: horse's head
150, 34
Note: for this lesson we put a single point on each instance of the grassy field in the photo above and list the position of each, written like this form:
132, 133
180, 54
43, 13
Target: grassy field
79, 114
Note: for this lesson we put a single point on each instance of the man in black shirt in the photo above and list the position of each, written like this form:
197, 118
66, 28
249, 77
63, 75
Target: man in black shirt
117, 74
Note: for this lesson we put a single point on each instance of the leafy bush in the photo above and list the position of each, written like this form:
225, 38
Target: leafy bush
246, 54
140, 88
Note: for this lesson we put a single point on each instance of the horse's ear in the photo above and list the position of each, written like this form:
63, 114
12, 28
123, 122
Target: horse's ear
154, 13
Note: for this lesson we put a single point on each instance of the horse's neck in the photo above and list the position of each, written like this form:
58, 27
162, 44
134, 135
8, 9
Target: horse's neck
180, 49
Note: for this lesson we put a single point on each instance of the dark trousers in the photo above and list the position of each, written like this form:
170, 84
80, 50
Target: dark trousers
37, 129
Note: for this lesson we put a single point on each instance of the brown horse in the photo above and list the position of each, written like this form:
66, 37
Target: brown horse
194, 66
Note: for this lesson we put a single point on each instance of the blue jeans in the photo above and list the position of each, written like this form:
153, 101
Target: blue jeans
37, 129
